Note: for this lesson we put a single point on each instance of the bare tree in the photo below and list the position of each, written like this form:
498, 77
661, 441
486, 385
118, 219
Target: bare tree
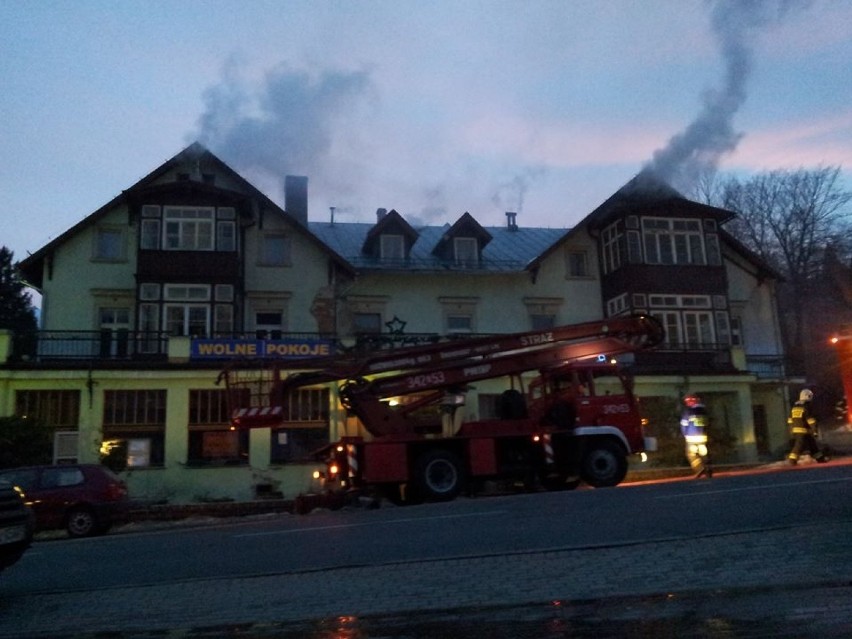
790, 218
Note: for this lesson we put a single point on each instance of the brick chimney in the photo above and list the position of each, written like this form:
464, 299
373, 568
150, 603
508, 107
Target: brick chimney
511, 220
296, 197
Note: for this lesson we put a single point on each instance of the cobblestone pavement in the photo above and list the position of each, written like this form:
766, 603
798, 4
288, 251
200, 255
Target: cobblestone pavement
794, 581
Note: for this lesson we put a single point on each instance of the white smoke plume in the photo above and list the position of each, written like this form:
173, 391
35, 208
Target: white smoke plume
289, 124
698, 148
510, 195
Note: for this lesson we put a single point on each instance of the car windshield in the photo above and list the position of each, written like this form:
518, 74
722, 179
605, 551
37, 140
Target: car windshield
24, 478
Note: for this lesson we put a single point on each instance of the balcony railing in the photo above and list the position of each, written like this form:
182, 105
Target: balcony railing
767, 366
87, 345
117, 345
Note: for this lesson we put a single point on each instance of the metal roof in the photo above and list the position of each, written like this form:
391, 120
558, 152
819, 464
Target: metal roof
509, 250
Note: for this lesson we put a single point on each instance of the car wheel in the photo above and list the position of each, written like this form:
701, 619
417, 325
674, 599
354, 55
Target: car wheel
604, 464
81, 522
440, 476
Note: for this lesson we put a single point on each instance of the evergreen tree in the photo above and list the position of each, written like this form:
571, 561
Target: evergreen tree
16, 309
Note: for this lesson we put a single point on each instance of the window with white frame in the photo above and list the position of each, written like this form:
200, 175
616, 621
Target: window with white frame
392, 247
149, 236
187, 309
673, 241
671, 324
459, 323
269, 321
226, 228
577, 263
223, 320
723, 327
683, 323
714, 253
459, 315
149, 327
274, 249
611, 239
366, 323
114, 324
226, 236
223, 311
188, 228
466, 251
109, 244
736, 331
698, 328
617, 305
542, 321
542, 311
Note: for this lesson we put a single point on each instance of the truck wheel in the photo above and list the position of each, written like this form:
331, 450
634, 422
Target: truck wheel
604, 464
440, 476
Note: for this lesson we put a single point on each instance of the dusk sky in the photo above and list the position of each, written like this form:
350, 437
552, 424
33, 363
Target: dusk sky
432, 108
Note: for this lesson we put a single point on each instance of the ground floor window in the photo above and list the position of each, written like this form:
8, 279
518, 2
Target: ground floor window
217, 447
211, 440
133, 449
134, 426
296, 444
58, 409
305, 430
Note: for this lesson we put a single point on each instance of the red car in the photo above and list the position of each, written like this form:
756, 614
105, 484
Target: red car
85, 499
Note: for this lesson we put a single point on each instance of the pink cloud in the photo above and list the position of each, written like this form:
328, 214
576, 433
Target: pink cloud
806, 143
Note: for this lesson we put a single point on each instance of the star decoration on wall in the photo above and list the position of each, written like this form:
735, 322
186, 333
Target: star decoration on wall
396, 326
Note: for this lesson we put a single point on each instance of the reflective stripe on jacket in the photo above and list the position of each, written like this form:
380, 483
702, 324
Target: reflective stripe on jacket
801, 421
693, 424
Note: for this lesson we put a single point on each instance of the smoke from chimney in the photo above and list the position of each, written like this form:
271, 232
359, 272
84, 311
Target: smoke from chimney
286, 125
699, 147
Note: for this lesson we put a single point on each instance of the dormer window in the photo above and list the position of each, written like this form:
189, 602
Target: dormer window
462, 243
392, 247
465, 251
391, 239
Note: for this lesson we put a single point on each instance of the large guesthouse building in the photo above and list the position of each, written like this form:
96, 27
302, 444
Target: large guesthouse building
193, 269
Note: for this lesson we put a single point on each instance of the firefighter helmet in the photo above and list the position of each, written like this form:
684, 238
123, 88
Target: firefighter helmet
691, 400
806, 395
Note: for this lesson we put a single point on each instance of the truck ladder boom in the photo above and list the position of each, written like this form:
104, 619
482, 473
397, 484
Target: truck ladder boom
633, 332
460, 373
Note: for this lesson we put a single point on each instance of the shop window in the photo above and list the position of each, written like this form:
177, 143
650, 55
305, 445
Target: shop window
211, 440
134, 421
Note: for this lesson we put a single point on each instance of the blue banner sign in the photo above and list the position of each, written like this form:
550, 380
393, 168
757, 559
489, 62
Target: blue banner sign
292, 348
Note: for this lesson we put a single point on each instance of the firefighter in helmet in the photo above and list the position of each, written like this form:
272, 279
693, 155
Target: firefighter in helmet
693, 427
803, 428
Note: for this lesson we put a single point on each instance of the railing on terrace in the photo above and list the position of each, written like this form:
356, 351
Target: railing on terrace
767, 366
689, 358
87, 345
140, 345
43, 346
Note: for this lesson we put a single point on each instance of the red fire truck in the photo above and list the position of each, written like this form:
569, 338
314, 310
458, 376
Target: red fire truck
576, 420
843, 342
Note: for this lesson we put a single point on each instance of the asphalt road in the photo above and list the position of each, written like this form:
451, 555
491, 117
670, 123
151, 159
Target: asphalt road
478, 558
